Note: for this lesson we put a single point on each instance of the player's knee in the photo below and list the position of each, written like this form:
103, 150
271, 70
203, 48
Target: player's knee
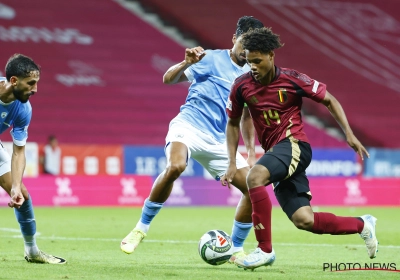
303, 222
175, 170
255, 179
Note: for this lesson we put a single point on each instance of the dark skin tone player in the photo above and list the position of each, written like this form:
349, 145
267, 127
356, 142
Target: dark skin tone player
274, 98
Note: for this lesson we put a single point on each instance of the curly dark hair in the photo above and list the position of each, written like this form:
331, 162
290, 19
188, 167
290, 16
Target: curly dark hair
20, 65
262, 40
246, 23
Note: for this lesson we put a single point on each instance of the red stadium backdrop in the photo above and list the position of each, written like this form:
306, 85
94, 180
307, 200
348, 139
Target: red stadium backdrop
102, 71
351, 45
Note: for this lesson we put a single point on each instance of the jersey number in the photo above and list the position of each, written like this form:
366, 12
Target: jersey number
271, 115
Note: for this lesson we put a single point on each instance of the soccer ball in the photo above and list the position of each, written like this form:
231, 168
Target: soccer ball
215, 247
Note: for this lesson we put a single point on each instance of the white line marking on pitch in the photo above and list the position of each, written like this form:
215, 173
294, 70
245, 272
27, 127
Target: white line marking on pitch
182, 241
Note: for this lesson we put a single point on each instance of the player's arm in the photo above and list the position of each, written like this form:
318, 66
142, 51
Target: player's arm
232, 142
247, 129
18, 162
336, 109
175, 74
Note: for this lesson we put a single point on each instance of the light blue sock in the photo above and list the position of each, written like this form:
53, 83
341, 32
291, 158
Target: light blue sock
149, 211
27, 224
240, 231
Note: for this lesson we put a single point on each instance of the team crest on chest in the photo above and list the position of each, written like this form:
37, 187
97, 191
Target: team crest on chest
3, 115
282, 95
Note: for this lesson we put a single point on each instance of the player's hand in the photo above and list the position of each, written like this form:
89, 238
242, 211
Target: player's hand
356, 145
227, 178
194, 55
17, 199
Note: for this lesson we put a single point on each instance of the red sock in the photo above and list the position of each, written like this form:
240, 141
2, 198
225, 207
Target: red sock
262, 209
332, 224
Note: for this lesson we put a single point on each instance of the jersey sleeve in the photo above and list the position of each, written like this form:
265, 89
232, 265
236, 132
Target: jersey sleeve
19, 132
200, 68
309, 87
235, 104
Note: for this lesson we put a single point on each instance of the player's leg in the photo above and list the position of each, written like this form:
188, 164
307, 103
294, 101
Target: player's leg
297, 207
294, 195
264, 255
328, 223
24, 215
242, 223
177, 154
271, 167
213, 156
257, 178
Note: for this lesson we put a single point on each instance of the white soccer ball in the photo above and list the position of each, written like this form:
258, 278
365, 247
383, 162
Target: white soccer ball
215, 247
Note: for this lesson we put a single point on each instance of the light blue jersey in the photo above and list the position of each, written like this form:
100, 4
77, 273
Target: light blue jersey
18, 116
211, 80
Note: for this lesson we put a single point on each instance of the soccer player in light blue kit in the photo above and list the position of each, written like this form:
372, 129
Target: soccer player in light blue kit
22, 76
198, 131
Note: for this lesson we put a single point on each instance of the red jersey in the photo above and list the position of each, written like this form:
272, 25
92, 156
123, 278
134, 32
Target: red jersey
275, 108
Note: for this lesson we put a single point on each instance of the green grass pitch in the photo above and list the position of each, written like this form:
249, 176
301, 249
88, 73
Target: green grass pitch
89, 239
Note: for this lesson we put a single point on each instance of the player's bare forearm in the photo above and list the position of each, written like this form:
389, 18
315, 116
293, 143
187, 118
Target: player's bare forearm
336, 109
232, 141
18, 162
175, 73
247, 129
232, 138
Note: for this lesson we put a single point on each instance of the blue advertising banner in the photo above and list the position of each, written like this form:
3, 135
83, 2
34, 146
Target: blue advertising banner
383, 163
334, 163
151, 160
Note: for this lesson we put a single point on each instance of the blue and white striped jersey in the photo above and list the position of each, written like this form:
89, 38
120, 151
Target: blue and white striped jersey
18, 116
211, 80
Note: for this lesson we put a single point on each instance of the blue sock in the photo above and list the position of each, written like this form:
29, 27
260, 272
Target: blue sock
26, 218
27, 224
240, 231
149, 211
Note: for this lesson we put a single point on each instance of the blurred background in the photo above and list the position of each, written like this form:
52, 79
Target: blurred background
101, 96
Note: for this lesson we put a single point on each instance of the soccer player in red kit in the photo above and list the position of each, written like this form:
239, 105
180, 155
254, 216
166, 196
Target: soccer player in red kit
274, 98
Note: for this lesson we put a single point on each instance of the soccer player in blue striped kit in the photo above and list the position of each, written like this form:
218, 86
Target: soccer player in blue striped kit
20, 83
198, 131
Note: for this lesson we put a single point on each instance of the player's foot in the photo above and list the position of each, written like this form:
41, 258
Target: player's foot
369, 236
132, 240
42, 257
256, 259
236, 255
